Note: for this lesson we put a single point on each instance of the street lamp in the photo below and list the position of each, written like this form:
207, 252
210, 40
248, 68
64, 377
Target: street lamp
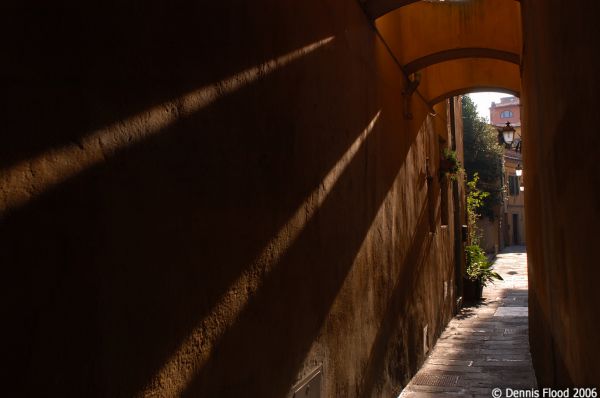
508, 134
519, 170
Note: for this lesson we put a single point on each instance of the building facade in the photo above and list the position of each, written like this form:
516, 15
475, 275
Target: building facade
508, 110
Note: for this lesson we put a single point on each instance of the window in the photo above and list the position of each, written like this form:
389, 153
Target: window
513, 185
506, 114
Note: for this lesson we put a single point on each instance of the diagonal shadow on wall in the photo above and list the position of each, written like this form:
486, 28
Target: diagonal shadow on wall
70, 68
395, 311
261, 353
110, 271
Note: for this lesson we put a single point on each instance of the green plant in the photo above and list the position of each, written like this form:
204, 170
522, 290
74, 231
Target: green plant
484, 155
449, 164
478, 266
475, 200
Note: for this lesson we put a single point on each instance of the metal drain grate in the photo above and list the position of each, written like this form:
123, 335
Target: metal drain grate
515, 331
436, 380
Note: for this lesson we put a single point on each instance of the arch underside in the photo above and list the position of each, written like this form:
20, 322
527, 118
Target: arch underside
378, 8
459, 76
454, 46
474, 89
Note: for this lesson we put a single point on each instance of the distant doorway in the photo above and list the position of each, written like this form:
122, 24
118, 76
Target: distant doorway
515, 225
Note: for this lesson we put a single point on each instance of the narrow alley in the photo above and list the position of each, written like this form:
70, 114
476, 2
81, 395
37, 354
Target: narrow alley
486, 346
279, 199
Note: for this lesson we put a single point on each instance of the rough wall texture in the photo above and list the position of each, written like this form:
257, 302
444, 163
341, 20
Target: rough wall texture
560, 86
211, 200
490, 235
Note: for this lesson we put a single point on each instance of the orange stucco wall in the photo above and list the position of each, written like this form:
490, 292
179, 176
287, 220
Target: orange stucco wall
423, 28
456, 46
561, 141
214, 200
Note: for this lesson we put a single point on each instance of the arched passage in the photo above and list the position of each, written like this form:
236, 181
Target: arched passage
474, 89
378, 8
214, 199
458, 76
477, 28
455, 47
457, 53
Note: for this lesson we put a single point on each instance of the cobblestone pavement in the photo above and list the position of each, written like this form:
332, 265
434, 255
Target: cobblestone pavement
486, 345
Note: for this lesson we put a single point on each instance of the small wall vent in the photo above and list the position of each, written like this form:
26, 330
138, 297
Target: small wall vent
310, 386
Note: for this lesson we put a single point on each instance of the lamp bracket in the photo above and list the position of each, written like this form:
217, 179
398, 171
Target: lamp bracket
414, 79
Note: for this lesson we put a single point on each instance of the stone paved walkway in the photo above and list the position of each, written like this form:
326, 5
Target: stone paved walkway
486, 345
